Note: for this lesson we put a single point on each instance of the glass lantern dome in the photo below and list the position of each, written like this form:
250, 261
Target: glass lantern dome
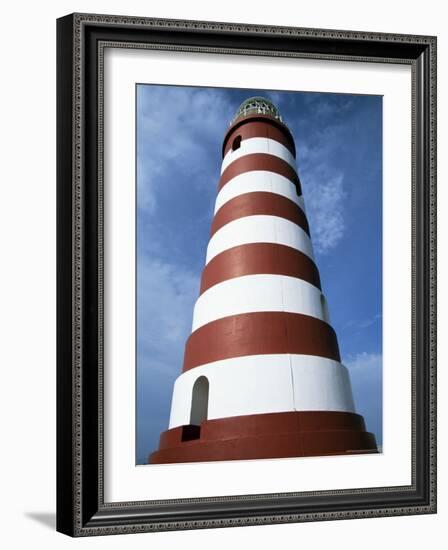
257, 105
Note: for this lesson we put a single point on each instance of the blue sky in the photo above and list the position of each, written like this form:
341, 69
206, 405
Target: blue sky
338, 139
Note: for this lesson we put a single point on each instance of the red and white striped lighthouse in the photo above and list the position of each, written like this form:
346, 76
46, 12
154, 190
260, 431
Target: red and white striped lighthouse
262, 376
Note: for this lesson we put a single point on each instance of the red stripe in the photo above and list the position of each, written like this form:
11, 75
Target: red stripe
260, 161
258, 334
268, 435
256, 258
259, 203
260, 128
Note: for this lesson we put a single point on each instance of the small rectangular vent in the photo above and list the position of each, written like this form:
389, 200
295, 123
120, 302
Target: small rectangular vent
191, 432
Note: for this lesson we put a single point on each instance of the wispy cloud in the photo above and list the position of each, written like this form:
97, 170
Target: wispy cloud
365, 363
166, 294
277, 98
324, 194
180, 130
320, 127
326, 108
364, 323
180, 133
323, 186
165, 305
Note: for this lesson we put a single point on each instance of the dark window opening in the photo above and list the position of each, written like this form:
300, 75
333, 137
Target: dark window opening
236, 143
190, 433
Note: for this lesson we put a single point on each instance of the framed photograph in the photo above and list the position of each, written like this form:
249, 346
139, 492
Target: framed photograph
246, 274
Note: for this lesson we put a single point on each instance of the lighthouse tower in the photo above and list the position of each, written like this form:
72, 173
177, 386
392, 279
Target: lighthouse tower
262, 375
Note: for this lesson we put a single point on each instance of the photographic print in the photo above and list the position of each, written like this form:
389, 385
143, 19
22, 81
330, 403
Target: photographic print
259, 274
246, 274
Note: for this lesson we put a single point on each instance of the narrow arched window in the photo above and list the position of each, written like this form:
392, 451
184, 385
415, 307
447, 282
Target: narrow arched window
199, 401
236, 143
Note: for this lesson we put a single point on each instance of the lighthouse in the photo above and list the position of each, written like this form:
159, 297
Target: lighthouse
262, 375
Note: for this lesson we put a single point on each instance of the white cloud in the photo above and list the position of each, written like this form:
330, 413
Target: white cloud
180, 133
325, 200
358, 326
277, 99
165, 306
365, 363
323, 187
322, 108
187, 121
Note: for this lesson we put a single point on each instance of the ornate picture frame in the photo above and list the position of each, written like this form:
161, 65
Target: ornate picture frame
81, 43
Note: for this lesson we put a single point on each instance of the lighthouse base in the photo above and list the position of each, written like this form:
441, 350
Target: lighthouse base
270, 435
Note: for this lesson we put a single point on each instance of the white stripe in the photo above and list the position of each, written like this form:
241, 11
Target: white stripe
256, 181
260, 292
259, 145
259, 229
259, 384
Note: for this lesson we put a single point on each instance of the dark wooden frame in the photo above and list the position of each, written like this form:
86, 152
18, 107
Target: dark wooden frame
81, 510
